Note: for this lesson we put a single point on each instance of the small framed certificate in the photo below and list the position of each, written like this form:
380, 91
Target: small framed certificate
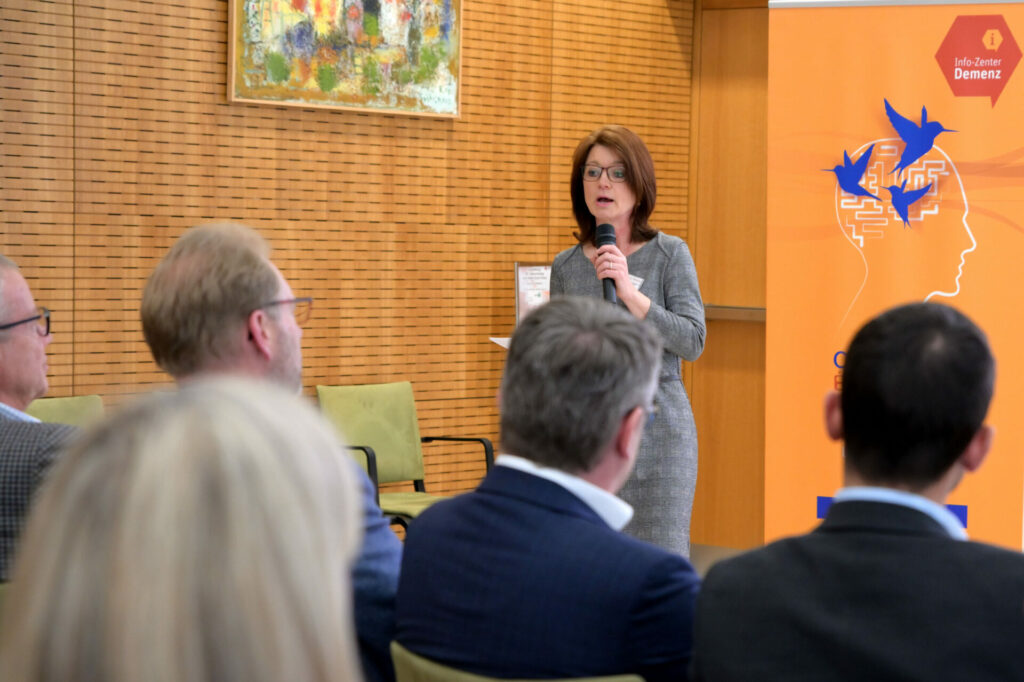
533, 287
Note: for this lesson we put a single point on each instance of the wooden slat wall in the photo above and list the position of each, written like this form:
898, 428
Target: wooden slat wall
116, 135
729, 239
37, 182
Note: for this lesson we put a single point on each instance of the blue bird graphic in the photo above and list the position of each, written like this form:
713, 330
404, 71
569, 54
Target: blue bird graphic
901, 199
850, 174
918, 138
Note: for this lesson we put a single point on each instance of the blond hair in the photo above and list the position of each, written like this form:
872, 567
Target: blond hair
199, 536
202, 291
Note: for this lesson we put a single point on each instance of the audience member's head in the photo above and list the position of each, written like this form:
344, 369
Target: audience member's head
24, 336
200, 535
578, 369
917, 384
216, 303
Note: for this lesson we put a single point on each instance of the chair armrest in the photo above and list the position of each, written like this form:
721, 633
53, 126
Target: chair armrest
371, 468
488, 448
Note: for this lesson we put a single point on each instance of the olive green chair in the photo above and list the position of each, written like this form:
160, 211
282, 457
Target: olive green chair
380, 420
410, 667
77, 410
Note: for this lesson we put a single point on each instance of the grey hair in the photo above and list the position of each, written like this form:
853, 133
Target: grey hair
5, 264
575, 368
205, 535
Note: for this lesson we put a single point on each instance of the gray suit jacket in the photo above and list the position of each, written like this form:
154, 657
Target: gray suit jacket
27, 450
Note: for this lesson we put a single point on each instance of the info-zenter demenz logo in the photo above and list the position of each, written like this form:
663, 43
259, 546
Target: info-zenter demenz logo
978, 56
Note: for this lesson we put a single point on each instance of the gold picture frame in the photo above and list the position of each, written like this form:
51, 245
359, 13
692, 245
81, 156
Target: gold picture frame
385, 56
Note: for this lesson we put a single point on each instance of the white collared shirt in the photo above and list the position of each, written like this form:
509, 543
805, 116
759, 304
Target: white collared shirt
612, 510
942, 516
16, 414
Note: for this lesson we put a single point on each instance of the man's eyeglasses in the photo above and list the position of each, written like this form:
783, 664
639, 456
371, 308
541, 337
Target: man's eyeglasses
301, 307
42, 320
592, 173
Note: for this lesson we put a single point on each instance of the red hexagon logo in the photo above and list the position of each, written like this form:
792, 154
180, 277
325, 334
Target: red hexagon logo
978, 56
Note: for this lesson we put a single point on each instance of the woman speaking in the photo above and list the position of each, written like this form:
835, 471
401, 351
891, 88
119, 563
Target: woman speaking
655, 279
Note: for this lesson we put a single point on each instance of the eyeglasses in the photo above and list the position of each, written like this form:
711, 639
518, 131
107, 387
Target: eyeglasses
42, 320
592, 173
301, 307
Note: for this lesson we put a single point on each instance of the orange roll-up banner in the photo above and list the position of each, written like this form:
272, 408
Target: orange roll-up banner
895, 174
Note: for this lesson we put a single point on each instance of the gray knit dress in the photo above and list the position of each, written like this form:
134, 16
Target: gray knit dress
662, 484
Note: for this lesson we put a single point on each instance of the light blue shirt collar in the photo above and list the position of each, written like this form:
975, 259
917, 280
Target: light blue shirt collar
16, 414
613, 511
938, 512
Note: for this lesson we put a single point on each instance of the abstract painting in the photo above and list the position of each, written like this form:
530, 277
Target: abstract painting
395, 56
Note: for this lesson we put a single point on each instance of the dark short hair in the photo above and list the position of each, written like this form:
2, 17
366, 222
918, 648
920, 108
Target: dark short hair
639, 175
575, 368
917, 383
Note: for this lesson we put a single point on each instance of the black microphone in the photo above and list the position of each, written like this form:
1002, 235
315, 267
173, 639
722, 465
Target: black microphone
606, 235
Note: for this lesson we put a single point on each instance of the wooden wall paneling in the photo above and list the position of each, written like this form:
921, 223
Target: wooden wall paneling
728, 399
732, 175
729, 240
629, 67
405, 229
36, 129
734, 4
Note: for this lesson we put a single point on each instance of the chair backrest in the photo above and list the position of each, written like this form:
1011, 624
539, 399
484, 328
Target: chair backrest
382, 416
410, 667
77, 410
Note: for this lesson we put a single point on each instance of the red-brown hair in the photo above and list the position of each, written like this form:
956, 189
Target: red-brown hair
639, 174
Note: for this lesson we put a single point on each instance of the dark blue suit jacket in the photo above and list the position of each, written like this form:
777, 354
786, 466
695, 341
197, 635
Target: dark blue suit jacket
520, 578
878, 592
375, 582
